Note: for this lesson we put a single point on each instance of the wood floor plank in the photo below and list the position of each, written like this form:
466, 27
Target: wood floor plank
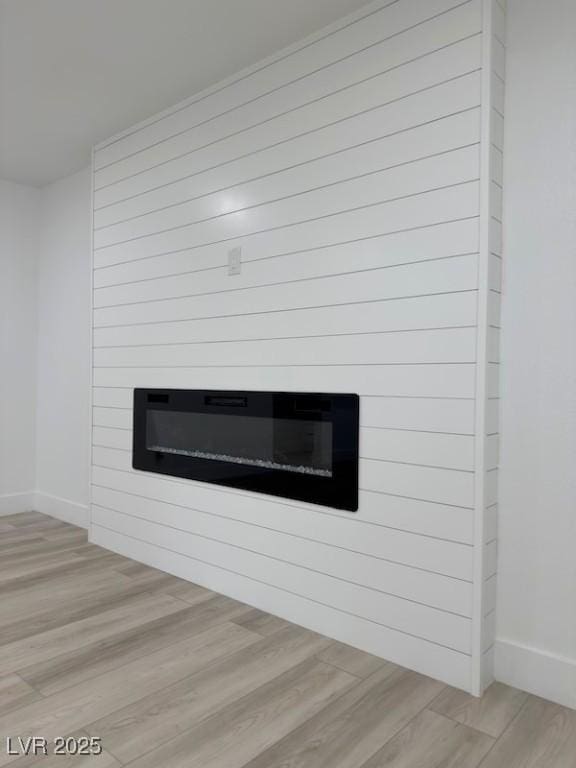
68, 534
491, 714
28, 603
137, 570
15, 541
543, 735
59, 573
6, 528
35, 545
170, 585
348, 732
104, 760
137, 729
89, 551
189, 593
44, 523
129, 644
19, 519
351, 660
433, 741
98, 596
36, 563
262, 623
248, 726
73, 708
45, 646
15, 692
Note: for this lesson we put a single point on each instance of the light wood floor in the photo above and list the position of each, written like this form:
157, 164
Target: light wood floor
169, 674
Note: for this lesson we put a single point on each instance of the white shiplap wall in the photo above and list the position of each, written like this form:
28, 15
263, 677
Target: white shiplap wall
351, 169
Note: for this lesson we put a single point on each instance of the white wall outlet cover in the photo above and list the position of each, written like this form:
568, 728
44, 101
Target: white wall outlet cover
235, 261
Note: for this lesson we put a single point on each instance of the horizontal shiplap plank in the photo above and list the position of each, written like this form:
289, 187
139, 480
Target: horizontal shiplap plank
490, 554
114, 418
441, 450
403, 530
443, 381
451, 345
490, 594
488, 629
498, 98
403, 581
384, 61
492, 417
437, 311
491, 486
449, 451
365, 158
396, 413
451, 666
497, 129
490, 523
492, 451
494, 308
112, 398
112, 458
444, 276
107, 437
412, 413
497, 166
496, 237
445, 486
493, 351
499, 58
456, 167
496, 195
493, 380
419, 620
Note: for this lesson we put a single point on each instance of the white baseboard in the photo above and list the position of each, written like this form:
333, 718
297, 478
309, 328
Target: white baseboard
62, 509
530, 669
14, 503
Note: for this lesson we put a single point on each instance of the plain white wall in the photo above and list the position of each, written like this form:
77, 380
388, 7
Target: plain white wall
63, 286
537, 564
18, 236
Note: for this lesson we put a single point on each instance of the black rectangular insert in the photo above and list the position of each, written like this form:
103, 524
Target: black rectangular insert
298, 445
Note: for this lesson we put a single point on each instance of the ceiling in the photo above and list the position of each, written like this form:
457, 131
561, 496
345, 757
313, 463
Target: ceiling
74, 72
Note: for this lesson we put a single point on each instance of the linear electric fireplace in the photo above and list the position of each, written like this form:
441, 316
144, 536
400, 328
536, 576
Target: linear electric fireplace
298, 445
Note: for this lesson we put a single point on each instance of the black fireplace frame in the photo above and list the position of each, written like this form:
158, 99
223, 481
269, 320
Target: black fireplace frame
339, 491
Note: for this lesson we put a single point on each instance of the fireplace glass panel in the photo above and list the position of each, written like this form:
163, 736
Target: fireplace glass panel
296, 445
293, 445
